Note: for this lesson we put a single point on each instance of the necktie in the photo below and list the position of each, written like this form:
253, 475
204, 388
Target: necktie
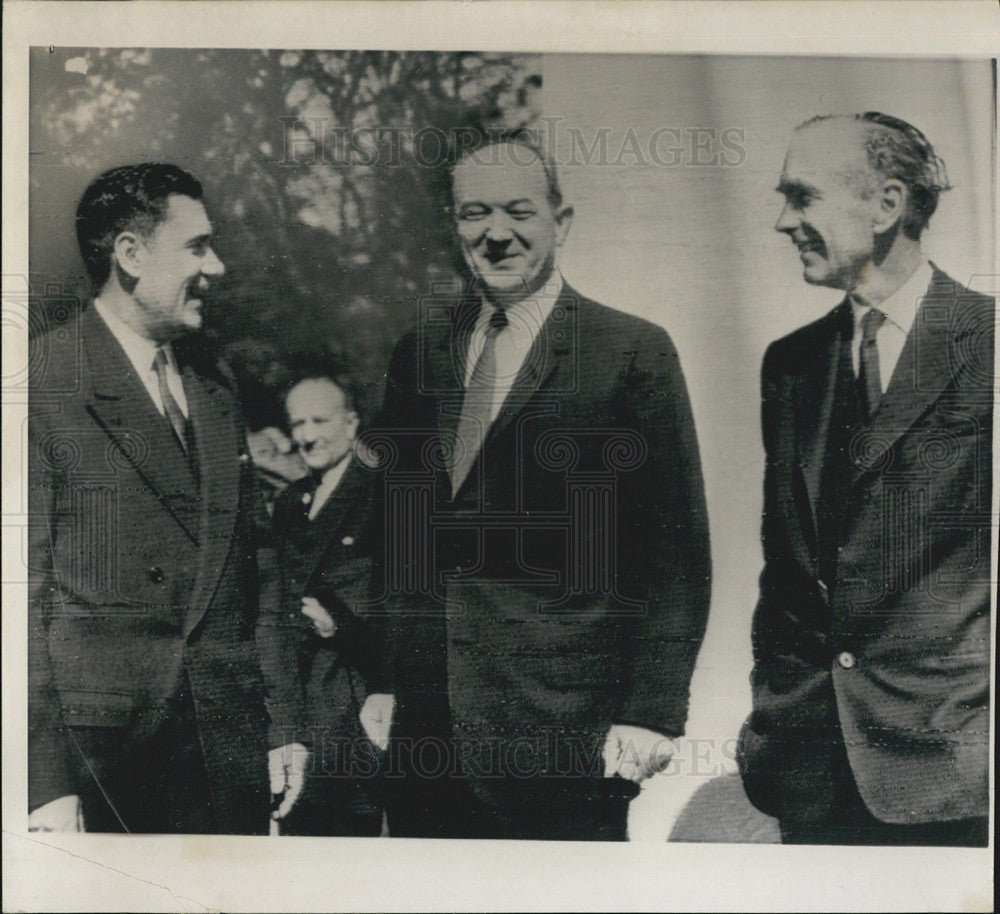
177, 420
477, 406
869, 375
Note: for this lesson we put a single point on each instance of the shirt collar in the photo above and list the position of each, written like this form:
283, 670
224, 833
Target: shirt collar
140, 351
900, 308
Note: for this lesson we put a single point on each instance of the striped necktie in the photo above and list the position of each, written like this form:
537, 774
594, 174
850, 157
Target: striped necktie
477, 405
178, 422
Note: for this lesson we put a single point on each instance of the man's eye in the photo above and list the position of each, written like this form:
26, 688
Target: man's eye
200, 249
473, 215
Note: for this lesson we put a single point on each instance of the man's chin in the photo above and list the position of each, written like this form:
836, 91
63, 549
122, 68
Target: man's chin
818, 277
506, 291
193, 317
318, 463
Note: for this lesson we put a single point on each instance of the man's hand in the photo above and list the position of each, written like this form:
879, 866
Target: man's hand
287, 767
64, 814
636, 753
376, 718
323, 622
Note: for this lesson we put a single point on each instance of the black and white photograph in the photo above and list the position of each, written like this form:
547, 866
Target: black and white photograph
435, 467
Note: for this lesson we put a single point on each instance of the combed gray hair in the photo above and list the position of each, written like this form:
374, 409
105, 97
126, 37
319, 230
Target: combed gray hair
898, 150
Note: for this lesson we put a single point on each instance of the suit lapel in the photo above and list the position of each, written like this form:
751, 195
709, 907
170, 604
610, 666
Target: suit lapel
813, 424
331, 516
550, 350
928, 363
447, 366
219, 453
122, 407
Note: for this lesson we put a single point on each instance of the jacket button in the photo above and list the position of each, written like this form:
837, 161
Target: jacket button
156, 574
847, 660
347, 541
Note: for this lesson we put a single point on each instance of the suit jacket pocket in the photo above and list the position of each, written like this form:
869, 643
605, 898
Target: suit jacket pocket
97, 709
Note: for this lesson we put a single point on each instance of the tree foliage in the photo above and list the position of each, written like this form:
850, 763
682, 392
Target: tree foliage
317, 168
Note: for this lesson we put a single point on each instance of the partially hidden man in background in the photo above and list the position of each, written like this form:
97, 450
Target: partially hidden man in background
870, 719
146, 706
547, 563
318, 672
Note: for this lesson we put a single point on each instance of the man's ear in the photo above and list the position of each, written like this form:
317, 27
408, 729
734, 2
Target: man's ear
564, 219
891, 205
128, 250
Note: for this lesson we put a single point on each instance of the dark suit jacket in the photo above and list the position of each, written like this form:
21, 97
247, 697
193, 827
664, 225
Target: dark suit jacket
320, 682
892, 657
138, 574
566, 585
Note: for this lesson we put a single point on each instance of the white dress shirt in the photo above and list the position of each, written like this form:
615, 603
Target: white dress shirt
141, 352
524, 322
900, 310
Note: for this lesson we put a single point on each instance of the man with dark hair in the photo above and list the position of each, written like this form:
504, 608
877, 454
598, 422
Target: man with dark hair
870, 721
133, 197
321, 647
146, 710
547, 566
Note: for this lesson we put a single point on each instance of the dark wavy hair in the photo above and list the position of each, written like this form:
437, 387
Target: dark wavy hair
131, 197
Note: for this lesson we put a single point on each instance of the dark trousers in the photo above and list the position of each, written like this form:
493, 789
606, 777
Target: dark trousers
447, 808
422, 783
593, 810
337, 805
160, 787
326, 820
428, 796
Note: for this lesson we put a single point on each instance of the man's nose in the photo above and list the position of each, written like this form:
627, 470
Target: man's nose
499, 230
211, 265
788, 219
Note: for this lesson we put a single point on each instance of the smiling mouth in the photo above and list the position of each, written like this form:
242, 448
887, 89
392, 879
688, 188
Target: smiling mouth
807, 247
498, 260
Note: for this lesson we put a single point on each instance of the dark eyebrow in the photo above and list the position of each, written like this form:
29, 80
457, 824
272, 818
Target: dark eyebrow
521, 201
786, 187
199, 240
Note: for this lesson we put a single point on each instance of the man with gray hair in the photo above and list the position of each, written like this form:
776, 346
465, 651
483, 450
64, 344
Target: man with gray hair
871, 637
541, 668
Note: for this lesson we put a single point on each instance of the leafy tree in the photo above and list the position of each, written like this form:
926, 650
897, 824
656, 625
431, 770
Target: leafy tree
317, 168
